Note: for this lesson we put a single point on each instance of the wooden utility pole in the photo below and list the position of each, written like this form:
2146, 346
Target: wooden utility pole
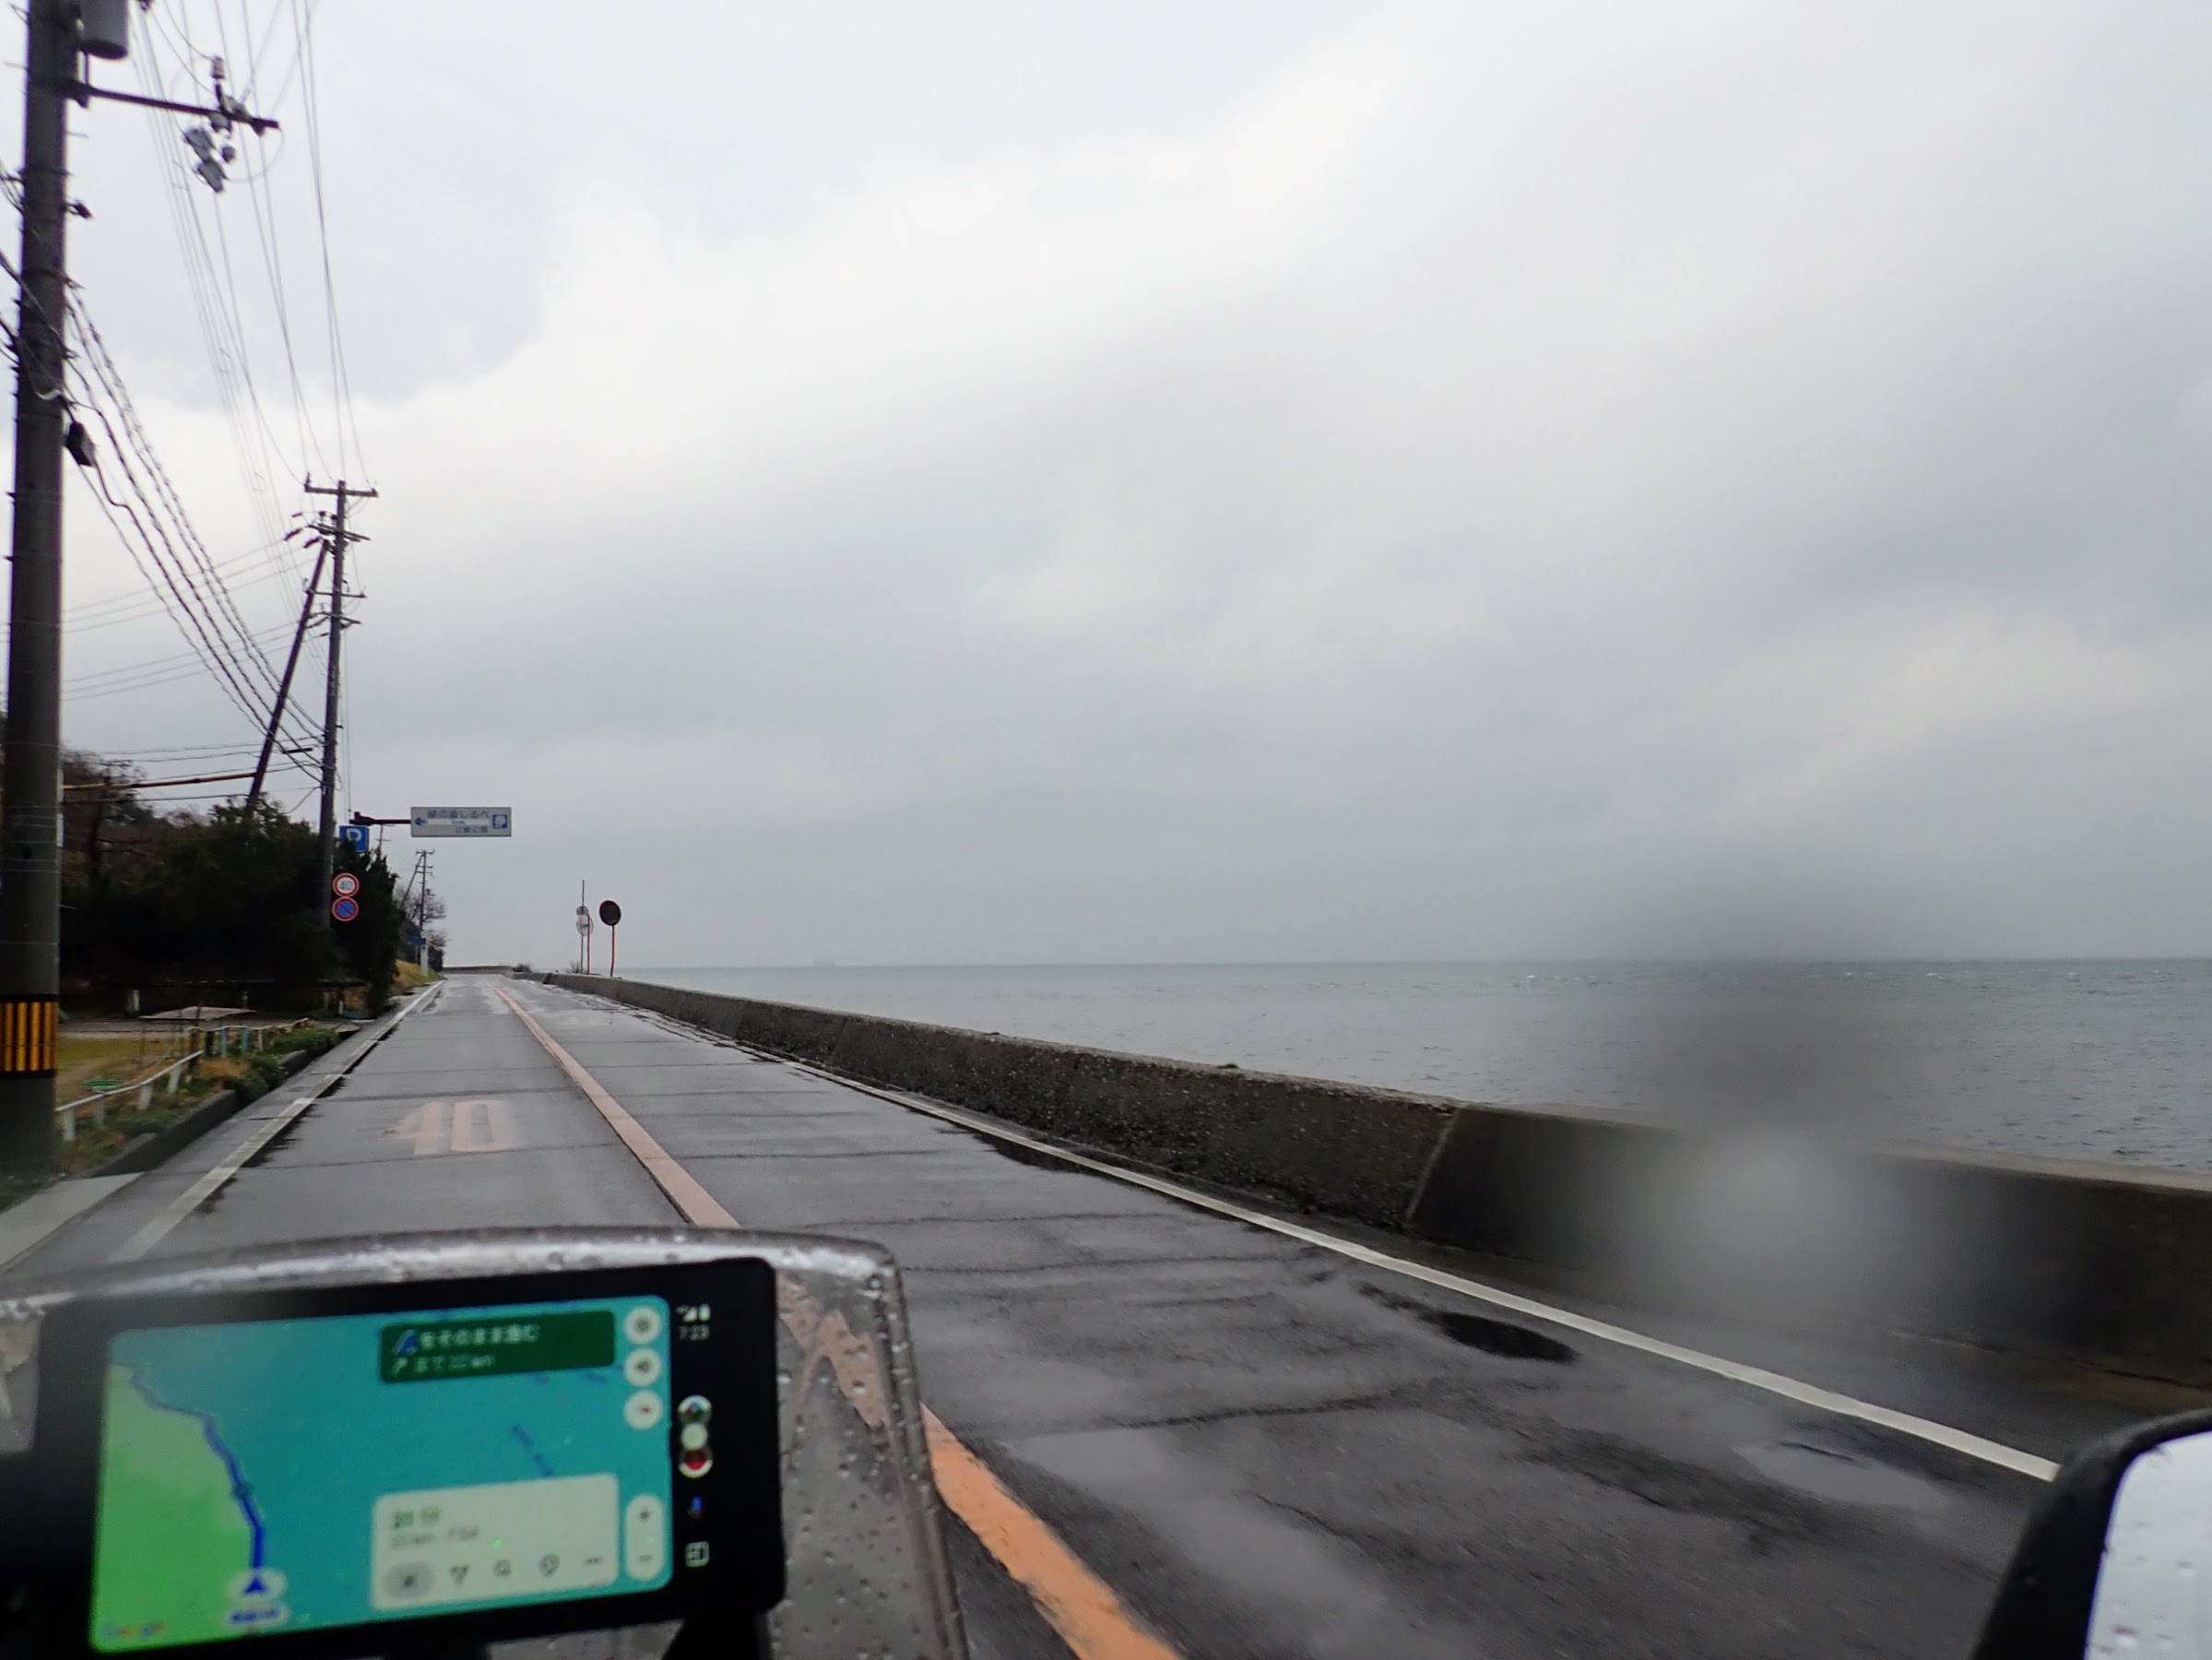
30, 777
60, 35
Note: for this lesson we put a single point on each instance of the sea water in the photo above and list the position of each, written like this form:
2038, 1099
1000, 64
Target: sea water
2083, 1059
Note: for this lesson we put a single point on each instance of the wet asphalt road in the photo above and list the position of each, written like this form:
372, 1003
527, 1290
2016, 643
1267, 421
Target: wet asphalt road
1264, 1448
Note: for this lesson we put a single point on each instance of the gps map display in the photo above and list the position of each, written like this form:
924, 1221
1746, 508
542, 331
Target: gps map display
286, 1475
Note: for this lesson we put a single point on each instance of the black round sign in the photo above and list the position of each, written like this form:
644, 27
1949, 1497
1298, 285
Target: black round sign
610, 912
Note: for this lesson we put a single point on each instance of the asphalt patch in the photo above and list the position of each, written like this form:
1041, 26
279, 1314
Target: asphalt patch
1829, 1473
1774, 1514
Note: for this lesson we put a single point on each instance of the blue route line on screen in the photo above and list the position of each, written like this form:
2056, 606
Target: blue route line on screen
241, 1488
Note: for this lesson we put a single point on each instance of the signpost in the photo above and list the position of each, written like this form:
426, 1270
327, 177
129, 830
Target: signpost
461, 821
612, 914
345, 908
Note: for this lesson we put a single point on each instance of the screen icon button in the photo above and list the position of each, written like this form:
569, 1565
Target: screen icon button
641, 1324
641, 1410
645, 1536
642, 1367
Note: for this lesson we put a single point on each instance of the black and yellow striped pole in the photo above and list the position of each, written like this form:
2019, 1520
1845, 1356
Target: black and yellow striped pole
30, 1037
30, 776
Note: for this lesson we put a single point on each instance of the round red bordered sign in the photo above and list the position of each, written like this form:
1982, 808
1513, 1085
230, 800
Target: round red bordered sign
345, 910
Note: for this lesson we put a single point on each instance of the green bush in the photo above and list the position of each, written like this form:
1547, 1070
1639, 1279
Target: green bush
312, 1041
263, 1073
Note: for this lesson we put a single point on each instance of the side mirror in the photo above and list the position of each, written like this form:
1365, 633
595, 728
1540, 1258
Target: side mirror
2118, 1559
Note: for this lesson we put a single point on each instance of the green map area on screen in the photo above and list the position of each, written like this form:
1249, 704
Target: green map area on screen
295, 1473
184, 1513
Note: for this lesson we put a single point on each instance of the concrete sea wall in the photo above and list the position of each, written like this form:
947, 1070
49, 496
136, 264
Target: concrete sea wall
2101, 1265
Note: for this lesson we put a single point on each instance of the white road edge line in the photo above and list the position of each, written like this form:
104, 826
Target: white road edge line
1754, 1377
213, 1182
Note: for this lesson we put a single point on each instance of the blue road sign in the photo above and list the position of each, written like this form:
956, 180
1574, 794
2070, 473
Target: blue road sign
344, 908
355, 837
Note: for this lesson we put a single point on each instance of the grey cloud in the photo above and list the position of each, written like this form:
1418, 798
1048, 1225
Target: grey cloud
1403, 482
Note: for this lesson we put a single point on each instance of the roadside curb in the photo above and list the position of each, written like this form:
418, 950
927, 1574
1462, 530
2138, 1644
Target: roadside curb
134, 1158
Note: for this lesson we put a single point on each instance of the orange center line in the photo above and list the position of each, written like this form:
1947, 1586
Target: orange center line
1091, 1620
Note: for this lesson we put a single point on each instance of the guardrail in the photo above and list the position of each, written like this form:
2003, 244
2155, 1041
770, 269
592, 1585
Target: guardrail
209, 1043
168, 1077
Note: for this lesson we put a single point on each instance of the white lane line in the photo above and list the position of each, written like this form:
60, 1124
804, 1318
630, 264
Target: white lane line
208, 1185
1755, 1377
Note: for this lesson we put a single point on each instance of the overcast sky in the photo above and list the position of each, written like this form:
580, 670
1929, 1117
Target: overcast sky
1228, 481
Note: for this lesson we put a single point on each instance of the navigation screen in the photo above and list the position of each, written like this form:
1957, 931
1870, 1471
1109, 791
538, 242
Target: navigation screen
289, 1475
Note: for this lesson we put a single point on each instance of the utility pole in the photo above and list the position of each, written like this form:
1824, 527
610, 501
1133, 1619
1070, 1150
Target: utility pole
292, 662
57, 32
31, 779
336, 536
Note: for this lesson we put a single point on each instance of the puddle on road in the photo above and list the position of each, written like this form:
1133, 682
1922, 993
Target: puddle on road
261, 1156
1498, 1337
1827, 1473
1024, 1155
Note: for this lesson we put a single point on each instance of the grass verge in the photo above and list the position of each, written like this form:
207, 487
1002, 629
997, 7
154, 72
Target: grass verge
252, 1075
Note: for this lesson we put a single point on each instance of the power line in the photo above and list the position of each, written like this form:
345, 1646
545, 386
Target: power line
131, 671
176, 577
221, 659
118, 610
113, 788
222, 332
234, 642
342, 383
217, 657
188, 622
112, 379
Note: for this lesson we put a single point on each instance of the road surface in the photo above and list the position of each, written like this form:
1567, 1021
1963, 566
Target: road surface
1262, 1446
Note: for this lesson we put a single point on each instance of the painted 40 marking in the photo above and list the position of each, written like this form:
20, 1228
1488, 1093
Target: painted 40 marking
471, 1126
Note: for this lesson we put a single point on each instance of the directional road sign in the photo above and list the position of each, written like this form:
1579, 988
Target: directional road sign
345, 884
461, 821
344, 908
